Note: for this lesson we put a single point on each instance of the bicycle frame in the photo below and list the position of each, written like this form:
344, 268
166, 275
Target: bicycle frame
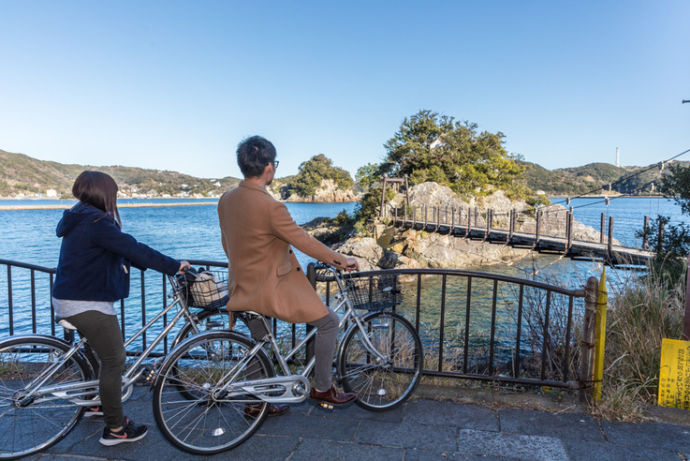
270, 340
85, 393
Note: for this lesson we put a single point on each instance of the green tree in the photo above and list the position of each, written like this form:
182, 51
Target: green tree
313, 171
433, 147
368, 175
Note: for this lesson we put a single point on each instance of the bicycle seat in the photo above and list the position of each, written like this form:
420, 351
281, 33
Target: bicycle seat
64, 324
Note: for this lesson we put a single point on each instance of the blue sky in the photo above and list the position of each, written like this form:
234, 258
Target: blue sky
176, 85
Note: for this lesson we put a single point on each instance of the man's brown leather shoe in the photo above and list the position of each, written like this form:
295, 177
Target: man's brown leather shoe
332, 396
253, 409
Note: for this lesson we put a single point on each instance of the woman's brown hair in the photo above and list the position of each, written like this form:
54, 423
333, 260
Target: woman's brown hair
98, 190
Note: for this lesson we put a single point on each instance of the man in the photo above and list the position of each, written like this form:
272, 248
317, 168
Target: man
265, 277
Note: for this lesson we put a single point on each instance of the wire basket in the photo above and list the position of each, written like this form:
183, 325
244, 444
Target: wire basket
374, 293
206, 289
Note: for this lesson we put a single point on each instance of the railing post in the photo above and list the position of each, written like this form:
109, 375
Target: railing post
686, 322
601, 232
452, 221
438, 217
609, 248
311, 276
487, 229
660, 246
383, 196
414, 217
537, 229
405, 215
587, 342
569, 229
645, 236
395, 220
469, 222
426, 214
476, 216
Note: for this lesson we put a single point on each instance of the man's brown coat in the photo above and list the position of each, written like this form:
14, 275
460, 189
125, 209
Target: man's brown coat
265, 277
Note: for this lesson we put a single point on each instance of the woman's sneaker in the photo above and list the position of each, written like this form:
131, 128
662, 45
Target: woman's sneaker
93, 412
130, 433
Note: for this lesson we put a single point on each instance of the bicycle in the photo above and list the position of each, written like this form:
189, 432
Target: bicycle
212, 392
44, 379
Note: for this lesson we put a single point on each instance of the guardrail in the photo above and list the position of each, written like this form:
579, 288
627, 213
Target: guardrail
474, 325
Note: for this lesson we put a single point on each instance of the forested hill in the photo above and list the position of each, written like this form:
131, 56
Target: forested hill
594, 176
21, 175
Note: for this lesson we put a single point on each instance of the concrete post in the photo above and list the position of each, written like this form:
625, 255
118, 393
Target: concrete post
601, 232
645, 239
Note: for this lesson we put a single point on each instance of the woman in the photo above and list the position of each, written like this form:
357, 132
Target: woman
93, 273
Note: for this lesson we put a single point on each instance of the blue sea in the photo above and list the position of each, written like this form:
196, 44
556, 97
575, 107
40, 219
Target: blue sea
191, 232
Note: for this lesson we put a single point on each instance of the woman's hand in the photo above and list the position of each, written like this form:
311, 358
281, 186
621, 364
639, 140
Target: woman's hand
184, 265
351, 264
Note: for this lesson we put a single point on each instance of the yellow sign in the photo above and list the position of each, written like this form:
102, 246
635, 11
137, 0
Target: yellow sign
674, 374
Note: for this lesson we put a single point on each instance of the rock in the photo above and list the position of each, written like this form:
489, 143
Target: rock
386, 237
327, 231
327, 192
389, 260
362, 247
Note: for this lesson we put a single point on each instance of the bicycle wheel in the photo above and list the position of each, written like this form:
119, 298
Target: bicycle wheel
381, 385
205, 321
188, 408
38, 425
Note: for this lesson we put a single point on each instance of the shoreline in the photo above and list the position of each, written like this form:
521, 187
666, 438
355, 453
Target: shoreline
119, 205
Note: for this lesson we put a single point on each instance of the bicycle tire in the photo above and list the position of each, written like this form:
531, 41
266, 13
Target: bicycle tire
378, 386
194, 364
27, 430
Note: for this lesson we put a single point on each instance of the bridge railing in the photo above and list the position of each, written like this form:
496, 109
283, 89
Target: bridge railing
473, 325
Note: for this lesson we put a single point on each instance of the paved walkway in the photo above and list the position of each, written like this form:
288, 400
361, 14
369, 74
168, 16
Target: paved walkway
418, 430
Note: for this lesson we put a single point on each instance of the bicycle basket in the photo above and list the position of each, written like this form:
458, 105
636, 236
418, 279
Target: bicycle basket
374, 293
208, 289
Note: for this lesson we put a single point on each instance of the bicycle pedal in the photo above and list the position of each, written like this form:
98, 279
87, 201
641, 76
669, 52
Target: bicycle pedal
326, 405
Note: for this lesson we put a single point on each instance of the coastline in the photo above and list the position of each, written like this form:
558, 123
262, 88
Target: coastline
119, 205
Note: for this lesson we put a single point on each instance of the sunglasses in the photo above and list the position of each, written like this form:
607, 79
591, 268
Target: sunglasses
275, 163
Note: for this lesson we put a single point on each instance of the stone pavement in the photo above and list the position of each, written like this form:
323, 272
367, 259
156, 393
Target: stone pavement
418, 430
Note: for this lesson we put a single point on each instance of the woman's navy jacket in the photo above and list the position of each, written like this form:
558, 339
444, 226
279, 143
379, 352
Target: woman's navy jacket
95, 257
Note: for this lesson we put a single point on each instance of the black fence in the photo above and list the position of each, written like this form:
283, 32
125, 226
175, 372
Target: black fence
473, 325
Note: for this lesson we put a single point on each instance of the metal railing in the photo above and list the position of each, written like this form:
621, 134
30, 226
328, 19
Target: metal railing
489, 327
473, 325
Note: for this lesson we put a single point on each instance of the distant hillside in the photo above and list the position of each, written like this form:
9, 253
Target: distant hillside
21, 175
594, 178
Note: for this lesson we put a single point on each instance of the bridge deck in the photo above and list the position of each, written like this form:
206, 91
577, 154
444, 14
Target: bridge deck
576, 249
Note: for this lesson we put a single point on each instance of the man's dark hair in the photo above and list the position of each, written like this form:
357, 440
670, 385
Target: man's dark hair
253, 154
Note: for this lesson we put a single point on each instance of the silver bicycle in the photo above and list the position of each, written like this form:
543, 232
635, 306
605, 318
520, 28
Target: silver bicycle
212, 391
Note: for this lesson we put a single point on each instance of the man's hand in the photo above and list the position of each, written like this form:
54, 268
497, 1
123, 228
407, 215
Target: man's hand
184, 265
